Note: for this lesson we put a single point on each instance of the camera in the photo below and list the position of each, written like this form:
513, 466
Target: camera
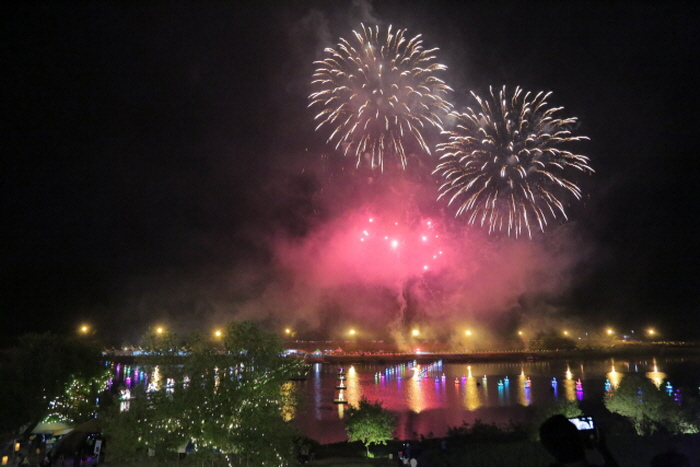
587, 429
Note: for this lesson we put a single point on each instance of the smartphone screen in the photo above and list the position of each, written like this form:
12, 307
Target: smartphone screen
583, 423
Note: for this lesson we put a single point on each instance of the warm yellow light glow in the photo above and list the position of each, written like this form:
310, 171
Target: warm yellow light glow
16, 446
218, 333
352, 332
288, 331
84, 328
4, 460
415, 332
159, 330
610, 332
651, 332
520, 333
566, 333
468, 333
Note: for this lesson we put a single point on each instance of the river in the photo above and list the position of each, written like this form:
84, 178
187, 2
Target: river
429, 398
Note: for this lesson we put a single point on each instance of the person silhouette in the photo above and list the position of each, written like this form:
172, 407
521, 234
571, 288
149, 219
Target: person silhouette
564, 442
670, 459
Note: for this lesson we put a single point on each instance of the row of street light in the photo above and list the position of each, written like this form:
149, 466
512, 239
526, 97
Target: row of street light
85, 329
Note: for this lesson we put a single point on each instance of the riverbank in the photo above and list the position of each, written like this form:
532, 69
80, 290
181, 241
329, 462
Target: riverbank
616, 351
344, 353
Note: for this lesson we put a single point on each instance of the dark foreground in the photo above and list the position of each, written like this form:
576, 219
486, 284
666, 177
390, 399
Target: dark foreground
629, 450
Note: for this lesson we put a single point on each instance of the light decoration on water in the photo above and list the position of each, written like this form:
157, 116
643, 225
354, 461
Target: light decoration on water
579, 389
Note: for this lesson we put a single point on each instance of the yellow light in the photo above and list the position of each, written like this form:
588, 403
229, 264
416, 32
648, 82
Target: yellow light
217, 333
4, 460
520, 333
610, 332
16, 446
468, 333
352, 332
288, 331
159, 330
651, 332
415, 332
566, 333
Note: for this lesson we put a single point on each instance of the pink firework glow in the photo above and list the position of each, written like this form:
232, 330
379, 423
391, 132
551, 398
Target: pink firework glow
372, 265
414, 248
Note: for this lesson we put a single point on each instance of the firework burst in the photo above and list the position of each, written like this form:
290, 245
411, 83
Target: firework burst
377, 93
503, 167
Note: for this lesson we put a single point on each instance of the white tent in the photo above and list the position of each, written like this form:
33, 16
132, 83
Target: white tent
53, 428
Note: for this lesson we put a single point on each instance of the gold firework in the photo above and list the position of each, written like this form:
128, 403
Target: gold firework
378, 93
502, 164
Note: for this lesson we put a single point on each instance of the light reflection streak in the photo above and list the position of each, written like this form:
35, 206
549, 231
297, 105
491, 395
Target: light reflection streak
472, 398
614, 377
569, 389
317, 390
656, 376
354, 391
523, 390
415, 391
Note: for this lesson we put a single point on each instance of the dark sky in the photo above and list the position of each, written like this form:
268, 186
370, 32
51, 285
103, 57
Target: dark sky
150, 149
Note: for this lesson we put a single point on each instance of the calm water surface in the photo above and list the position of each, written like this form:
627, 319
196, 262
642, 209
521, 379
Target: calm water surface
428, 399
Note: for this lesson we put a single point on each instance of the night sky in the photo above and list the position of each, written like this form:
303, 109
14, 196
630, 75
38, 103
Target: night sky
157, 154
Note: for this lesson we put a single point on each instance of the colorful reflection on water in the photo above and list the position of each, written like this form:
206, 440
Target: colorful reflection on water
430, 398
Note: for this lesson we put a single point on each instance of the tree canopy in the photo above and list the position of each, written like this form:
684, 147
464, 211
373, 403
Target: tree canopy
370, 423
39, 371
227, 397
649, 408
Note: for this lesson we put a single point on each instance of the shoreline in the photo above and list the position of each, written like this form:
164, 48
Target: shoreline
621, 351
375, 355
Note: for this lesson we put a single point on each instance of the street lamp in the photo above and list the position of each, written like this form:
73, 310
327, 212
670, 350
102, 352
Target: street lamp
468, 332
218, 334
415, 332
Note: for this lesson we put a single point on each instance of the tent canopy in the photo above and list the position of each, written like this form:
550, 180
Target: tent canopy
52, 428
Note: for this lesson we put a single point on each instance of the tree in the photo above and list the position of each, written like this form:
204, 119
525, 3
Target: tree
370, 423
38, 371
78, 402
229, 401
648, 407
